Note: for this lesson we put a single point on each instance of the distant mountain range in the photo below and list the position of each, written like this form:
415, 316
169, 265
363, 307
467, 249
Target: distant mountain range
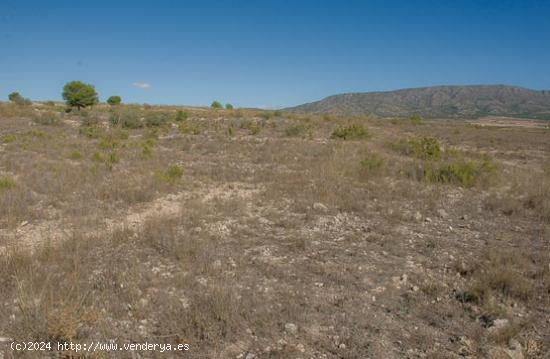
438, 102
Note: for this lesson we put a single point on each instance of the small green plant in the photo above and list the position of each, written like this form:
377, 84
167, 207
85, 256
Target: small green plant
108, 143
426, 148
6, 182
15, 97
112, 158
216, 105
8, 138
350, 132
251, 126
266, 115
155, 119
297, 130
465, 173
189, 128
46, 118
230, 131
181, 116
416, 119
171, 175
228, 106
146, 150
372, 163
97, 157
114, 100
90, 131
130, 120
75, 155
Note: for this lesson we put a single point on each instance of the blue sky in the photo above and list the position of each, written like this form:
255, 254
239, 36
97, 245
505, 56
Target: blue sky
270, 53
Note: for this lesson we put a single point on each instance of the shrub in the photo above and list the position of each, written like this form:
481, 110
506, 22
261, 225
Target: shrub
155, 119
75, 155
461, 172
8, 138
416, 119
426, 148
89, 131
171, 175
350, 132
147, 150
250, 125
46, 118
78, 94
129, 119
371, 163
189, 128
6, 183
181, 116
16, 98
97, 157
216, 105
298, 130
114, 100
228, 106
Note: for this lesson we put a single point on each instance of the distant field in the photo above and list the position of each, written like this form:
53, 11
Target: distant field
264, 234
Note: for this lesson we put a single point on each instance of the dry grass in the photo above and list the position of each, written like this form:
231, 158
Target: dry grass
220, 228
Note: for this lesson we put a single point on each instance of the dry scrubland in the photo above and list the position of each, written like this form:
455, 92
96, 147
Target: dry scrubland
269, 235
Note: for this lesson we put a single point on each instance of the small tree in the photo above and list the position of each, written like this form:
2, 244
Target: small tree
16, 97
228, 106
78, 94
114, 100
216, 105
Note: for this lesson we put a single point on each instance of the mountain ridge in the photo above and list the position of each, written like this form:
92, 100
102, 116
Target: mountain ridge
447, 101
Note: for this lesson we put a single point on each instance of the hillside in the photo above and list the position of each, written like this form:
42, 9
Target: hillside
439, 101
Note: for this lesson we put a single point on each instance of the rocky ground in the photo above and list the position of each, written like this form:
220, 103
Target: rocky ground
250, 234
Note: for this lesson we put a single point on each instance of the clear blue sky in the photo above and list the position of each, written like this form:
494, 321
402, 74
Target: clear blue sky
269, 53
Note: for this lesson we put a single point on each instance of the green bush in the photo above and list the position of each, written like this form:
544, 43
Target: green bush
6, 183
75, 155
189, 128
114, 100
130, 120
78, 94
90, 131
47, 118
465, 173
155, 119
416, 119
16, 98
216, 105
371, 163
181, 116
171, 175
228, 106
350, 132
8, 138
426, 148
297, 130
251, 126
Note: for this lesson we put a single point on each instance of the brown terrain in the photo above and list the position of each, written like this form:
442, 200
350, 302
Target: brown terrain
259, 234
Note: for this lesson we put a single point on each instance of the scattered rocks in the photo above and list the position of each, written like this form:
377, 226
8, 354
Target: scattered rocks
250, 356
291, 328
442, 213
417, 216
